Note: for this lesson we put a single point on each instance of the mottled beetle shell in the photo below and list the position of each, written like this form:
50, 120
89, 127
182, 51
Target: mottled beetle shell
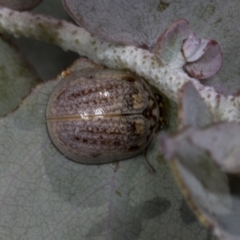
97, 116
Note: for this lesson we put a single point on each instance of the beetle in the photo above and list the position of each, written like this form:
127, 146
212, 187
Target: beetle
97, 115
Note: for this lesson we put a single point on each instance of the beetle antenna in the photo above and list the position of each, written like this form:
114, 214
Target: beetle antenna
147, 161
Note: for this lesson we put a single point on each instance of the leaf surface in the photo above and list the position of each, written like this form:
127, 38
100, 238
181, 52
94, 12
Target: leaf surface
17, 77
141, 23
192, 110
203, 155
43, 195
20, 4
202, 159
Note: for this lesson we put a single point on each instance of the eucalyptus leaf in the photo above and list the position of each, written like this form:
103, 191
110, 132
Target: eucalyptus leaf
202, 159
170, 42
46, 196
202, 154
141, 23
222, 142
20, 4
17, 77
192, 110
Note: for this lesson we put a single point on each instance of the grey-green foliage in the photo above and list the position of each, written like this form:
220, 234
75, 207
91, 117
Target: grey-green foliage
17, 77
43, 195
140, 23
19, 4
205, 154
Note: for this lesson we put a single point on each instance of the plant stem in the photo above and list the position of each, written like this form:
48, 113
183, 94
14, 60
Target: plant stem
168, 79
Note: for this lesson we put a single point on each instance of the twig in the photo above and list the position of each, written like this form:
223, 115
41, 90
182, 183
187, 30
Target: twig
168, 79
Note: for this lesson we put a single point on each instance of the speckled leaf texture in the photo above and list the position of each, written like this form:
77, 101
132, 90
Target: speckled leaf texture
20, 4
43, 195
191, 105
206, 164
147, 20
17, 77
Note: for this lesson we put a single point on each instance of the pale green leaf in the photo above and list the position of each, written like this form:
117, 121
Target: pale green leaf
16, 77
20, 4
43, 195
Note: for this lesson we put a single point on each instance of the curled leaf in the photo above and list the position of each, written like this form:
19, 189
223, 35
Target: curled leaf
138, 23
202, 159
20, 4
220, 141
193, 110
206, 187
169, 43
204, 57
193, 48
198, 165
